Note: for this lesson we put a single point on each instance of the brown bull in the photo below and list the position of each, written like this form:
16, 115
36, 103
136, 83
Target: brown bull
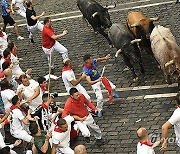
167, 52
141, 27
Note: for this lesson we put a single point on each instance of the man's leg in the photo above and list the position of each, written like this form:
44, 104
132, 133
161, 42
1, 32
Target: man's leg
68, 150
47, 53
83, 91
97, 90
83, 128
40, 26
61, 49
95, 130
4, 27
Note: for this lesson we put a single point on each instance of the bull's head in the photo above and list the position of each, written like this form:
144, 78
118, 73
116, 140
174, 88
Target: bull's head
104, 17
144, 27
173, 67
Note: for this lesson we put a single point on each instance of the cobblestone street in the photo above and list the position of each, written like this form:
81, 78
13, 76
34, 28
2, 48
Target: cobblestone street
139, 101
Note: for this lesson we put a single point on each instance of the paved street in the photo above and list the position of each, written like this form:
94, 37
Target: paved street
148, 102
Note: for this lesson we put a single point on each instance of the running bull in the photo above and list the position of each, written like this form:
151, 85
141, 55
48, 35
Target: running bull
97, 16
141, 27
167, 53
122, 39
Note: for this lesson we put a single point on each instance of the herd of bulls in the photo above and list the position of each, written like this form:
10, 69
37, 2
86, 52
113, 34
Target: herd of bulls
158, 41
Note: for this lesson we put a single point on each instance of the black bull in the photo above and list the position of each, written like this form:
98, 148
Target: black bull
97, 16
121, 39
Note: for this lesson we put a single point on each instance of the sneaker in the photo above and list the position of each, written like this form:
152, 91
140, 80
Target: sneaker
87, 139
20, 38
32, 41
100, 114
115, 95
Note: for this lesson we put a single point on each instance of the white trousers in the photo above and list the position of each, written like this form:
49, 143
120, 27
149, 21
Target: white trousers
21, 12
97, 90
89, 123
33, 29
56, 47
23, 135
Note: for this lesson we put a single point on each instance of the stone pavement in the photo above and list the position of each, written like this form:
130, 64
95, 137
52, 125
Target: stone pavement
118, 124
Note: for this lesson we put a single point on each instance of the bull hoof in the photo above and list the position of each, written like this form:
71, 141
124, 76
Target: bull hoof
135, 79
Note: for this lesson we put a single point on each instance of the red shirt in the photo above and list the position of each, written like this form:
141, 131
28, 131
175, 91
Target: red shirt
47, 41
77, 107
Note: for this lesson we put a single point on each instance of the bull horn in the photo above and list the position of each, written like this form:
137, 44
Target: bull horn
94, 14
134, 25
135, 41
117, 53
154, 19
111, 6
169, 63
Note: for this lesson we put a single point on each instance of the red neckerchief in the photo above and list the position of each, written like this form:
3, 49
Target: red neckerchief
177, 106
43, 88
15, 107
66, 68
57, 129
7, 60
14, 52
88, 66
1, 34
44, 105
148, 143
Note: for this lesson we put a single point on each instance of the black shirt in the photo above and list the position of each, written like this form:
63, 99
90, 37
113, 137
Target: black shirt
30, 13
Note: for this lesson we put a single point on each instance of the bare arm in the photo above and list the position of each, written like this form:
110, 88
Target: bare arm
165, 128
55, 37
11, 8
76, 82
37, 17
36, 93
45, 146
92, 82
53, 151
103, 58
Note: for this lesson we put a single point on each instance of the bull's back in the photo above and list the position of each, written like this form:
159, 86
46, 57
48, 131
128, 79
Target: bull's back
87, 7
135, 17
119, 35
163, 43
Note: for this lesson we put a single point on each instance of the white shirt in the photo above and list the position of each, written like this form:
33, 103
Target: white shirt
28, 91
4, 43
175, 120
7, 96
67, 77
63, 138
16, 125
19, 4
144, 149
16, 70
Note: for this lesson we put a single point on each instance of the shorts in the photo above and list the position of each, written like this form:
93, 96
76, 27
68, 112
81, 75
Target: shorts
23, 135
8, 20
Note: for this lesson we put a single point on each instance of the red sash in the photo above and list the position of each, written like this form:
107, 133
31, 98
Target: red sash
15, 107
148, 143
66, 68
1, 34
44, 106
57, 129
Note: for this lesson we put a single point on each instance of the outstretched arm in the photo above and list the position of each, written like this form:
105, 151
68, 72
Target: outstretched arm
103, 58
